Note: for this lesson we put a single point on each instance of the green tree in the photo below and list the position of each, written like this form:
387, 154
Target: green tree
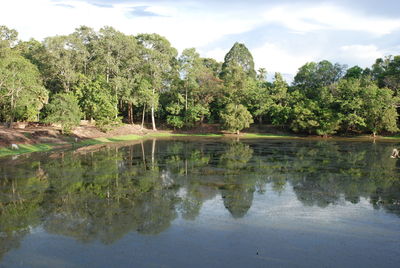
236, 117
354, 72
146, 97
175, 108
239, 55
350, 100
22, 94
59, 64
313, 76
8, 37
316, 115
158, 65
379, 109
280, 110
96, 101
63, 109
198, 88
386, 72
257, 98
116, 57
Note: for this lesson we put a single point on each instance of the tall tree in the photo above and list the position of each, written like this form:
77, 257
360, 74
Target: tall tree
280, 110
158, 66
313, 76
379, 108
22, 94
8, 37
240, 56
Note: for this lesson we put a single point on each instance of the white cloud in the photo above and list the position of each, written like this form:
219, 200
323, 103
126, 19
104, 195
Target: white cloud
190, 24
323, 17
361, 55
217, 54
275, 58
183, 27
362, 52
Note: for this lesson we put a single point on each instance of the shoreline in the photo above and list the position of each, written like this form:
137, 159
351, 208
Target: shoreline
43, 147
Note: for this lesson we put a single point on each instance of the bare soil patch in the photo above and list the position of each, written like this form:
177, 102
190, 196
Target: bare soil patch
37, 133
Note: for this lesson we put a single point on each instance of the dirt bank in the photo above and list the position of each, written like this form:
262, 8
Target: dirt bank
35, 134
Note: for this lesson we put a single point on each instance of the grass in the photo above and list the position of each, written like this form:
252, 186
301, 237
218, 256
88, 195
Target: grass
396, 137
184, 135
258, 135
30, 148
26, 148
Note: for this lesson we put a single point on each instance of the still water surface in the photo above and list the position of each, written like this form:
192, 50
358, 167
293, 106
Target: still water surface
203, 203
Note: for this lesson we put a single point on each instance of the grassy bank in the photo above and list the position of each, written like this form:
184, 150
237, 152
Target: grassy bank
42, 147
259, 135
26, 148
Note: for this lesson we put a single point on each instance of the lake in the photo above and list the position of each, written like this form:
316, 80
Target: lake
203, 202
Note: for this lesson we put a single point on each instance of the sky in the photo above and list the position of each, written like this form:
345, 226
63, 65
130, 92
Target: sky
282, 35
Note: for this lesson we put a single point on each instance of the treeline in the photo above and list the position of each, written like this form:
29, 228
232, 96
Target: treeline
111, 77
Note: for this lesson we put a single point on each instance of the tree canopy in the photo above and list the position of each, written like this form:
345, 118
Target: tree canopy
113, 76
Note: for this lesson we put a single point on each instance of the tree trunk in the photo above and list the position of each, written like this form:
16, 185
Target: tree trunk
153, 121
130, 113
237, 132
153, 150
116, 102
12, 111
144, 110
186, 99
143, 154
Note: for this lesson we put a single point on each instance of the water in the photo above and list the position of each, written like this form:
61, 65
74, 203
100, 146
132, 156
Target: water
203, 203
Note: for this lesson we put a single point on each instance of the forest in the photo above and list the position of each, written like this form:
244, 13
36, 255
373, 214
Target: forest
113, 78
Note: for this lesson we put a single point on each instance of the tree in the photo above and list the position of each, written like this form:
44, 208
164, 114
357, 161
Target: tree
236, 85
240, 56
59, 64
316, 115
354, 72
175, 108
236, 117
8, 37
197, 88
96, 101
313, 76
350, 100
63, 109
22, 94
146, 97
262, 75
257, 98
158, 65
379, 109
387, 73
117, 58
189, 63
279, 110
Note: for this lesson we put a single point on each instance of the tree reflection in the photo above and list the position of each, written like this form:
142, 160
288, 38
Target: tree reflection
239, 184
105, 194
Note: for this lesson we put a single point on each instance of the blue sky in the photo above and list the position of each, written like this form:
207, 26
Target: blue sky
282, 35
